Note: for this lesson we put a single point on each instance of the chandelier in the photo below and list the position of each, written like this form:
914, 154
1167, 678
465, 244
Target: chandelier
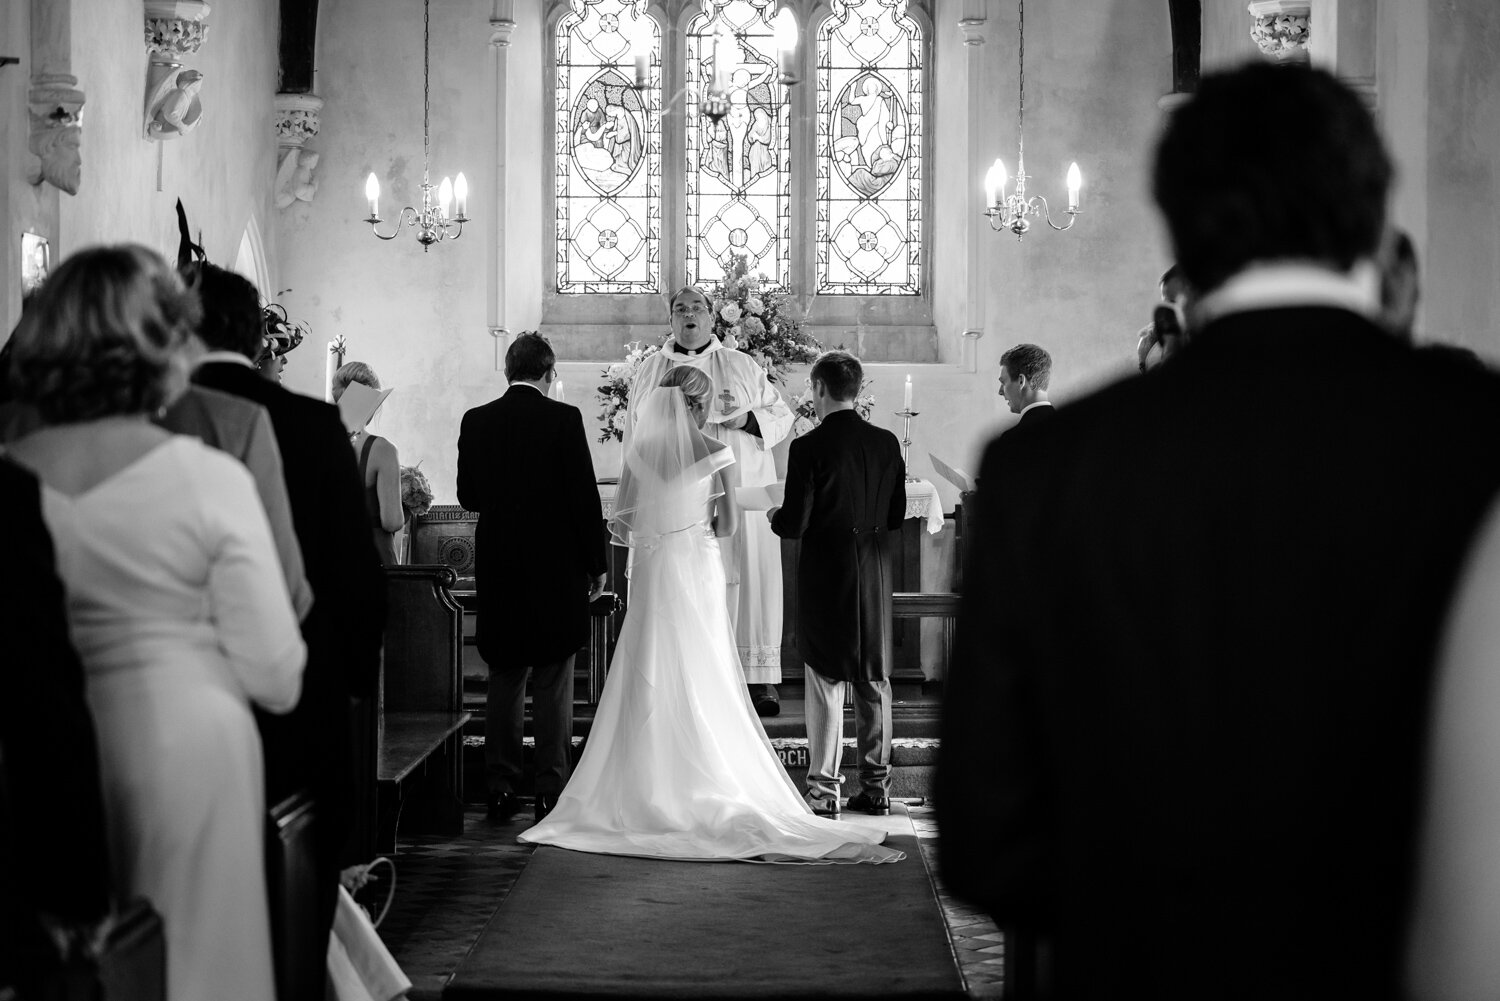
1015, 211
432, 222
715, 102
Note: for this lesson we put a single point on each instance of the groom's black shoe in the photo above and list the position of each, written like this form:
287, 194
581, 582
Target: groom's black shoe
501, 806
824, 807
873, 803
767, 703
544, 805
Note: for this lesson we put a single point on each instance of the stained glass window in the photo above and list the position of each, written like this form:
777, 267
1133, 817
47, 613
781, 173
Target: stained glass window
607, 173
870, 80
739, 164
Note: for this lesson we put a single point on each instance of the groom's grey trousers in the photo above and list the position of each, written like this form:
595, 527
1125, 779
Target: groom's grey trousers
552, 721
825, 733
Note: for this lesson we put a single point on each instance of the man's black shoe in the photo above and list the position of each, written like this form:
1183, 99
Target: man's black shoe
873, 803
544, 805
767, 703
501, 806
824, 807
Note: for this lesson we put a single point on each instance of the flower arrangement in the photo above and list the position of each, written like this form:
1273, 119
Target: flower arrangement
416, 492
763, 324
614, 392
807, 417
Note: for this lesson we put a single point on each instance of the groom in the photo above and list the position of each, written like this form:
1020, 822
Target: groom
845, 496
539, 561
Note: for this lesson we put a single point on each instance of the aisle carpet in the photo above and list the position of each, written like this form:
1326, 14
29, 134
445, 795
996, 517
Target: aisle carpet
581, 926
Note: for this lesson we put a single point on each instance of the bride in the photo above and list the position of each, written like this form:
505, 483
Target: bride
677, 764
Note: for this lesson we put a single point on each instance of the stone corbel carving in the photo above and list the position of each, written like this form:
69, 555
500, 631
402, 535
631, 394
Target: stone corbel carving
296, 123
1281, 28
55, 108
174, 28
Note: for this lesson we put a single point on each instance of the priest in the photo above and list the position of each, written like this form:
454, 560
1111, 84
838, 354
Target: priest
750, 417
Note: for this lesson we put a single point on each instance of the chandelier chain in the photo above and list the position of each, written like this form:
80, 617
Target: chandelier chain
426, 87
1021, 101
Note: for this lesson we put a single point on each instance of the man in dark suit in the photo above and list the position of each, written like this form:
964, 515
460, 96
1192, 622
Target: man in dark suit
845, 496
311, 747
1187, 754
1025, 371
55, 881
539, 560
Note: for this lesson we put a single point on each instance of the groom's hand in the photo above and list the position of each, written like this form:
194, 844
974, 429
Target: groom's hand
596, 587
771, 514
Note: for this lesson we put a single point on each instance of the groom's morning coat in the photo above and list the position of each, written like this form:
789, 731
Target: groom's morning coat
845, 495
524, 468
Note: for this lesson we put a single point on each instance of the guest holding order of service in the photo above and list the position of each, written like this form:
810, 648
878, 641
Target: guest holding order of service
379, 464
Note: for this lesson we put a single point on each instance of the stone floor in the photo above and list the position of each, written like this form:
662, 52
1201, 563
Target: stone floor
448, 887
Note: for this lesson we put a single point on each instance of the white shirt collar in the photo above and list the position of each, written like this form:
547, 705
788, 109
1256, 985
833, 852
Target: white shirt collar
1038, 403
1291, 283
234, 357
714, 344
528, 385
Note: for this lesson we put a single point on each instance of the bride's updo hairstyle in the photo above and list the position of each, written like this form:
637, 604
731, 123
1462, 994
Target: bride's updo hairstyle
100, 336
694, 383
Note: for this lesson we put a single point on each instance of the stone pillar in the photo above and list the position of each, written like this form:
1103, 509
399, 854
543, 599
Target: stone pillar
174, 28
54, 102
1342, 41
502, 24
1281, 28
296, 120
975, 286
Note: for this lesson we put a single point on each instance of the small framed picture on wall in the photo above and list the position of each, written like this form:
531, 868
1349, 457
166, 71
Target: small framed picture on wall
36, 261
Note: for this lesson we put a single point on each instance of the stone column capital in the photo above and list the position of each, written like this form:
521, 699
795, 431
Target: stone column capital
175, 28
1280, 28
971, 27
296, 119
500, 32
54, 107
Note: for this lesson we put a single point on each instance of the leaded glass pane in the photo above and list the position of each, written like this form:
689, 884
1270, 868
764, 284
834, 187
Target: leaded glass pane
739, 168
608, 155
870, 80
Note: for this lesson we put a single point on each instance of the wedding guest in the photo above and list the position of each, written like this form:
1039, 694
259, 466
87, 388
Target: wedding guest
1188, 759
1164, 335
49, 760
243, 430
379, 468
539, 561
312, 748
845, 494
176, 605
1025, 371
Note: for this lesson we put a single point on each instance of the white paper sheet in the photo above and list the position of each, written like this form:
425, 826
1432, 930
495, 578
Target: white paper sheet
957, 477
761, 498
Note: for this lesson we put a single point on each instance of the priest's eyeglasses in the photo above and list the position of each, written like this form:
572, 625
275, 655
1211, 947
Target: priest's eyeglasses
685, 308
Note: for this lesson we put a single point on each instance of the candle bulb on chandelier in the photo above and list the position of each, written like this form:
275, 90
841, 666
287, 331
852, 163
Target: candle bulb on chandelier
907, 399
639, 36
372, 192
994, 184
558, 395
461, 196
723, 46
445, 196
1075, 182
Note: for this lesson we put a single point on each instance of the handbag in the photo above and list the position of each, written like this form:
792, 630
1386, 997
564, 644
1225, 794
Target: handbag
360, 967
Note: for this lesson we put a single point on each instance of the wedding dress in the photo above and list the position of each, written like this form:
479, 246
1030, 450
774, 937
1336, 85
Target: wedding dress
677, 764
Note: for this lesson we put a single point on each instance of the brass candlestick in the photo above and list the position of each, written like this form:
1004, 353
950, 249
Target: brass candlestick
906, 416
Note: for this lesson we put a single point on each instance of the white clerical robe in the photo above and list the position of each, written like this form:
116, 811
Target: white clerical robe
752, 556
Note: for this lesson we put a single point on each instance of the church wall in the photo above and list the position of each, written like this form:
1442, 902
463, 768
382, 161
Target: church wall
223, 170
24, 207
1094, 74
1461, 265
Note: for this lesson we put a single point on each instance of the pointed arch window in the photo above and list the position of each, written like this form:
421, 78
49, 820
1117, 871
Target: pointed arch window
607, 157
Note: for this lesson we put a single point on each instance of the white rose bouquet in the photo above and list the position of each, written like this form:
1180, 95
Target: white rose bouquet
807, 417
765, 325
614, 392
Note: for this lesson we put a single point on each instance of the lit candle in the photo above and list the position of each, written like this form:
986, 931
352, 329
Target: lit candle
907, 399
372, 192
445, 196
723, 42
785, 26
1075, 181
328, 369
639, 35
558, 394
994, 184
461, 195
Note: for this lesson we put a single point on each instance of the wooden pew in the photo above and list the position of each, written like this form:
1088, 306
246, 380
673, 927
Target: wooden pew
419, 762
